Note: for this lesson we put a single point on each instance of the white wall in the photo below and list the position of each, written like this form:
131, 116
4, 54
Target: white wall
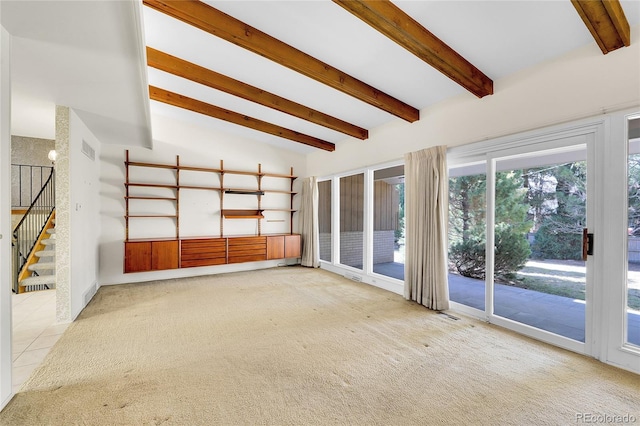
84, 211
5, 219
77, 212
581, 84
199, 210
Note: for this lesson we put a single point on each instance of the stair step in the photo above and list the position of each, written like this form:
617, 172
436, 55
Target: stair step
51, 231
42, 266
46, 253
40, 280
49, 242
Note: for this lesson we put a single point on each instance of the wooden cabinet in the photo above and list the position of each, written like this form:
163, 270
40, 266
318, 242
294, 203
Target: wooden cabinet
275, 247
137, 256
157, 255
143, 256
156, 196
292, 246
164, 255
203, 252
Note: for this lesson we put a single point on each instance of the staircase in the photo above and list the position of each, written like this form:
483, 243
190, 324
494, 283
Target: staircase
41, 270
34, 242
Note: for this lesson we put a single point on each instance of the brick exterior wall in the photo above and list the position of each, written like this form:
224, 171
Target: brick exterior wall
351, 247
325, 246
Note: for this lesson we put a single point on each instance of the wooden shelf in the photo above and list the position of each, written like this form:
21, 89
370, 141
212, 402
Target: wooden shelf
279, 210
151, 185
206, 169
242, 214
253, 210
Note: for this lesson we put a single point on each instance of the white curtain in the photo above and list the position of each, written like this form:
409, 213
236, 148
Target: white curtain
426, 215
309, 223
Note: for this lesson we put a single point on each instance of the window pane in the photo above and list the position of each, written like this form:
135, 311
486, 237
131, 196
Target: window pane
351, 220
467, 241
388, 222
324, 219
633, 273
540, 214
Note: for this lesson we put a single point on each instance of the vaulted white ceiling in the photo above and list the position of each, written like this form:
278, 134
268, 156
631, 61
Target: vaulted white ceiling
99, 38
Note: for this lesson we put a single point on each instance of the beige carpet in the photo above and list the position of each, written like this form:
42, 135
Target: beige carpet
295, 346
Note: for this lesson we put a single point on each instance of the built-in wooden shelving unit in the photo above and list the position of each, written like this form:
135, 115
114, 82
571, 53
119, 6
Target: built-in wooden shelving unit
168, 253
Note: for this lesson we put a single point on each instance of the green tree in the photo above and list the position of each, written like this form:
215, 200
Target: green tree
634, 194
559, 234
399, 232
468, 219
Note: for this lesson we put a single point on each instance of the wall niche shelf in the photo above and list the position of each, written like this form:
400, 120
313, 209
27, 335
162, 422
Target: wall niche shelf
153, 253
242, 214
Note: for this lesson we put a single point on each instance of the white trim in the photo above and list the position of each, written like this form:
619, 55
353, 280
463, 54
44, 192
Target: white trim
367, 223
479, 151
467, 310
490, 224
538, 334
335, 221
6, 359
396, 287
613, 348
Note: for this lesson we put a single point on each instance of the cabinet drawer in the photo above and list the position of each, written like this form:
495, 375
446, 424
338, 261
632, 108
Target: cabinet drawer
246, 241
247, 249
203, 252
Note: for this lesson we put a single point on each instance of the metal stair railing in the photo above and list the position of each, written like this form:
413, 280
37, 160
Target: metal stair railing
28, 177
27, 232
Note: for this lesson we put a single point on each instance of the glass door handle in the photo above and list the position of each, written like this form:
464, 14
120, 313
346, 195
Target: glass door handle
587, 243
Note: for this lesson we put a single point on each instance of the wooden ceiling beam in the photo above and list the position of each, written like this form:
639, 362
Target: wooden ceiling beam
180, 101
180, 67
391, 21
606, 21
218, 23
175, 99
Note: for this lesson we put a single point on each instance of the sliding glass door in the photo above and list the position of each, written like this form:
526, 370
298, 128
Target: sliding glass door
540, 215
632, 284
467, 234
387, 256
352, 220
544, 233
324, 220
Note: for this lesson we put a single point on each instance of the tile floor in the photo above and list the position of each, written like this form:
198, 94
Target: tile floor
35, 331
